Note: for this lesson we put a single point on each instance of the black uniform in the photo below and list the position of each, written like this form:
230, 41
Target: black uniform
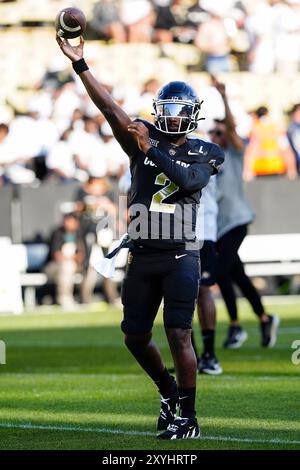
163, 203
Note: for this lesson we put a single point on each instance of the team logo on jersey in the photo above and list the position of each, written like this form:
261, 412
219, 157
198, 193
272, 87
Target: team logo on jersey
172, 152
153, 142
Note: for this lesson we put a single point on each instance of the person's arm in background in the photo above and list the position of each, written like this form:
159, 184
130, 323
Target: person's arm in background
80, 253
114, 114
56, 246
233, 137
251, 153
288, 156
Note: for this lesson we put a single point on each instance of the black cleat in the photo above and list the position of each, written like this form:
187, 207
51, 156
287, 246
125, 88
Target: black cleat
269, 331
209, 365
181, 428
168, 408
235, 338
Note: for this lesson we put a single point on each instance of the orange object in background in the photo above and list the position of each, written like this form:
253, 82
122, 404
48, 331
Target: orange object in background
268, 151
269, 159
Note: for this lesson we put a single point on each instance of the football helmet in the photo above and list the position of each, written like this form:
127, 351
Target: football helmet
176, 109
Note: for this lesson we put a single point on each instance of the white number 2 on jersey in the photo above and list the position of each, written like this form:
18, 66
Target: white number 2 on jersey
157, 204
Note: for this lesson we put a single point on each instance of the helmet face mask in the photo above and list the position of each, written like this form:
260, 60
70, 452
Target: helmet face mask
176, 109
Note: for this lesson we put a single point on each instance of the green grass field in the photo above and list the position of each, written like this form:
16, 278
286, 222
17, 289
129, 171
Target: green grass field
69, 383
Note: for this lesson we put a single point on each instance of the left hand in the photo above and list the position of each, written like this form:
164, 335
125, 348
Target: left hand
141, 134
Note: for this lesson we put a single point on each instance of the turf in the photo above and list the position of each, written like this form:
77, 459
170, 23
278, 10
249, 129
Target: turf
69, 383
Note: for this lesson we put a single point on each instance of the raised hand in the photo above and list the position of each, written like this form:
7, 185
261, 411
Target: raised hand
218, 85
74, 53
221, 88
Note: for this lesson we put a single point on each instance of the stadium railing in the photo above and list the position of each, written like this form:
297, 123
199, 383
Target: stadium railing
271, 255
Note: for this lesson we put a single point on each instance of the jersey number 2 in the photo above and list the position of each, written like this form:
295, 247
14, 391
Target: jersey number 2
157, 204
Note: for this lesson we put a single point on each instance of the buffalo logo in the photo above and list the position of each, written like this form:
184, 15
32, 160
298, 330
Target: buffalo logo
153, 142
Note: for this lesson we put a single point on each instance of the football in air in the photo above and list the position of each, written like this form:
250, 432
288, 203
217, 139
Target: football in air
70, 23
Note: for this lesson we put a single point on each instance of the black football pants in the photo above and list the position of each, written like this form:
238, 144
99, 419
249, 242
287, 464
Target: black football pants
230, 271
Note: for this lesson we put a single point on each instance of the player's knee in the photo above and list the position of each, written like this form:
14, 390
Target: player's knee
179, 339
133, 326
179, 318
137, 341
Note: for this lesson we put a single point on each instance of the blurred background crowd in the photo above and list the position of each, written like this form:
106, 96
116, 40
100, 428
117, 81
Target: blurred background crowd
52, 136
258, 35
49, 128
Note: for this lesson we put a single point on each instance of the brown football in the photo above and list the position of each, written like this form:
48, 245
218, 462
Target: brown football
70, 23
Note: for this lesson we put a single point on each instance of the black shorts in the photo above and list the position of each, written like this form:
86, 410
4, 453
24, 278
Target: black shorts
154, 275
208, 256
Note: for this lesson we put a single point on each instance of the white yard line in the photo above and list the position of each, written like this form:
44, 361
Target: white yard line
123, 432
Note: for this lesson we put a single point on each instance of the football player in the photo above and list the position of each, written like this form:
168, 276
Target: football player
168, 173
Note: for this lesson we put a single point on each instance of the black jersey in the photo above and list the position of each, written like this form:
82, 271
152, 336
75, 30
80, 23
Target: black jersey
166, 189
